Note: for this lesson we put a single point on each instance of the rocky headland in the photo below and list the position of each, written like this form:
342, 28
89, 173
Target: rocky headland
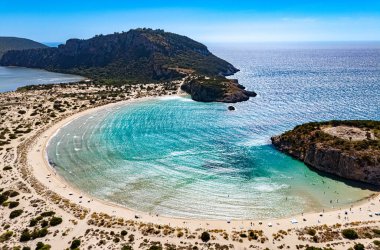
139, 56
348, 149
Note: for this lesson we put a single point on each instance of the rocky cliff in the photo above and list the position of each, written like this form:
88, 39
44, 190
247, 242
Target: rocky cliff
348, 149
140, 54
215, 89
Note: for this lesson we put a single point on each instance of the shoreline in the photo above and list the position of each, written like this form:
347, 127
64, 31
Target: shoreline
33, 116
119, 210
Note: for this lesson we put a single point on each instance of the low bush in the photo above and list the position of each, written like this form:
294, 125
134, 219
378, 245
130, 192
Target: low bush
15, 213
3, 198
13, 193
44, 223
13, 204
359, 246
55, 221
25, 235
6, 236
42, 246
205, 237
311, 231
33, 222
39, 233
75, 244
350, 234
47, 214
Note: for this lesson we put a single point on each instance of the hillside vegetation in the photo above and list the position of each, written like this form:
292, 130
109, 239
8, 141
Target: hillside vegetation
141, 54
15, 43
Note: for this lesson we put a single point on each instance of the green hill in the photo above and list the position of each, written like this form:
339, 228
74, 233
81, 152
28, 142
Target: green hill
15, 43
139, 54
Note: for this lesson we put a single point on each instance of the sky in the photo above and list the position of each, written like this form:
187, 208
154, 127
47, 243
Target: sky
222, 21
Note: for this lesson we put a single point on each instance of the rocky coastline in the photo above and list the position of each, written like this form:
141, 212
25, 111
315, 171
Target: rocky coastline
347, 149
216, 89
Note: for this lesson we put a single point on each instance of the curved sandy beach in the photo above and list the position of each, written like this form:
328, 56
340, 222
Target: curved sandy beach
37, 159
98, 224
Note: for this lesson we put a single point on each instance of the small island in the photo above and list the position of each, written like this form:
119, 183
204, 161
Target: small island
348, 149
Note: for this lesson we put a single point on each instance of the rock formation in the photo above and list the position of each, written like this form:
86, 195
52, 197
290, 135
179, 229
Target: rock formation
345, 154
215, 89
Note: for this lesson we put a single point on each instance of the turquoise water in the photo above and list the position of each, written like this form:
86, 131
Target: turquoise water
180, 158
12, 78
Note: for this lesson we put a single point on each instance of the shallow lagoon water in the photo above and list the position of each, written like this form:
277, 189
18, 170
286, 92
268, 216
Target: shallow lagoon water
180, 158
12, 78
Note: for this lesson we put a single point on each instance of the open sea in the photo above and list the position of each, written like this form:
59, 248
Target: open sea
176, 157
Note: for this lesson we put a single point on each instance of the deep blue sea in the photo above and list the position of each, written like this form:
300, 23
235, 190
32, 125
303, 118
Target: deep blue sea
181, 158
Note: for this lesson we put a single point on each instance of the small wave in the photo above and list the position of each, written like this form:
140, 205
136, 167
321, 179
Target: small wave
77, 149
269, 187
172, 97
177, 153
255, 142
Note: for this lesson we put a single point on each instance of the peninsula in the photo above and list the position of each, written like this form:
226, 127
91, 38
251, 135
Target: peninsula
348, 149
136, 56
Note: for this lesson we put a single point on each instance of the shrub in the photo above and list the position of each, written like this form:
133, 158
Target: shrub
313, 248
13, 204
154, 247
7, 168
3, 198
376, 242
350, 234
311, 231
243, 235
253, 235
75, 244
21, 112
123, 233
126, 248
205, 237
359, 246
33, 222
6, 236
26, 248
44, 223
15, 213
376, 231
55, 221
39, 245
42, 246
25, 235
47, 214
13, 193
39, 233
